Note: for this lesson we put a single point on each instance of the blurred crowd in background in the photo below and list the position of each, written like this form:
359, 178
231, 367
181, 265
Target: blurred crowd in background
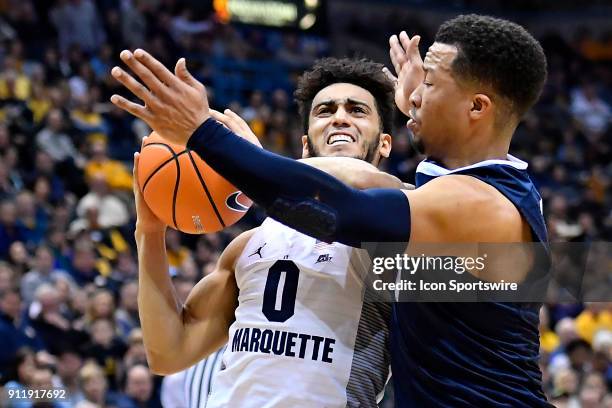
68, 269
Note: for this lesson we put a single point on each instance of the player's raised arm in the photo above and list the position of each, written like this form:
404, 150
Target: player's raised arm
176, 336
301, 196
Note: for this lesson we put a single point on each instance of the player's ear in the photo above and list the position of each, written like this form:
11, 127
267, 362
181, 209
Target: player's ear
305, 151
384, 144
481, 106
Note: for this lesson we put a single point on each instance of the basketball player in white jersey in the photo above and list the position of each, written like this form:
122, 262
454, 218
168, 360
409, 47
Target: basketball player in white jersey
289, 307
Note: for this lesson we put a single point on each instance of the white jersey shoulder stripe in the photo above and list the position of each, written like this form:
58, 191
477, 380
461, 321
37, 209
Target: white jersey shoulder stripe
433, 169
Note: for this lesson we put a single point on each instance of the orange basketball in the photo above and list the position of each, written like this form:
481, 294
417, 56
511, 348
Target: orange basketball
184, 192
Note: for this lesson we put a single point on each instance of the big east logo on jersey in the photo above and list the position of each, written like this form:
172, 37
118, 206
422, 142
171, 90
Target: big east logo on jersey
233, 202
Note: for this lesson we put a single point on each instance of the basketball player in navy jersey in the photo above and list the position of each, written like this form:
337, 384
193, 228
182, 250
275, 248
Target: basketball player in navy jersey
292, 307
479, 78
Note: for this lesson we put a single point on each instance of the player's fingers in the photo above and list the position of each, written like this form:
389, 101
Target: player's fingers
220, 117
396, 46
241, 127
144, 73
413, 51
183, 73
135, 174
235, 117
132, 84
396, 52
143, 141
135, 169
155, 66
404, 41
389, 75
133, 108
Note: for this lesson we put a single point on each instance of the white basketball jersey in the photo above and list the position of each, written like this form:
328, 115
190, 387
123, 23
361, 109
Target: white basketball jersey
303, 337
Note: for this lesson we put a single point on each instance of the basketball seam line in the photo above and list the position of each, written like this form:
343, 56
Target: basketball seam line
178, 178
161, 165
176, 187
214, 206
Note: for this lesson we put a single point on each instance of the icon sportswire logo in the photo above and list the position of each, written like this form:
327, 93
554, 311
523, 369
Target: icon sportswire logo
232, 202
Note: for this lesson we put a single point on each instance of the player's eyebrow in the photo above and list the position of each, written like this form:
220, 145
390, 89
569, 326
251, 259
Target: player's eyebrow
347, 101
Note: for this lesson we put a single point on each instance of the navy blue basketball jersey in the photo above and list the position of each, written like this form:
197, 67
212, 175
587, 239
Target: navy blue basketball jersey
472, 354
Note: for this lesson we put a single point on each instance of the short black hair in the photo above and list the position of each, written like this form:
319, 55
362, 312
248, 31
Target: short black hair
364, 73
498, 53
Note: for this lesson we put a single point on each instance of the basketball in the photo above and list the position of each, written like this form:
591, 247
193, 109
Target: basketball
184, 192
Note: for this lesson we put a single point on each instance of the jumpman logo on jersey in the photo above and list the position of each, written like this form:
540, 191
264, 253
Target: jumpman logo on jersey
258, 252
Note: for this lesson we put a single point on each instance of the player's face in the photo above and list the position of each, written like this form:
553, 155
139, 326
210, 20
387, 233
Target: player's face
344, 121
440, 105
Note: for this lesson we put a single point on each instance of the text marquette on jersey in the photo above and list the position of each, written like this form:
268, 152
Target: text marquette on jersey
285, 343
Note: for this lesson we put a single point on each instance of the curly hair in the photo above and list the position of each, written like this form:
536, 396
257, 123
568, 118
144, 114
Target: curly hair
361, 72
497, 53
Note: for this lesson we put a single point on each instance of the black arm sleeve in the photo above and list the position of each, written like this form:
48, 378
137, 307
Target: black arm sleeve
300, 196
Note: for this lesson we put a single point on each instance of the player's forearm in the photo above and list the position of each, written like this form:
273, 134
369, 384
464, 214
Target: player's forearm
158, 306
300, 196
355, 173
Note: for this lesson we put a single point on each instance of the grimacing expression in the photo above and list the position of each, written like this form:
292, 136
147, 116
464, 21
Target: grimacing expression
344, 122
440, 105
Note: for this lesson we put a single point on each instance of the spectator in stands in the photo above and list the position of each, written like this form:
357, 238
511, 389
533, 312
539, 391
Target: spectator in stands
580, 355
106, 349
69, 363
78, 22
86, 118
139, 389
83, 269
42, 379
589, 110
126, 316
19, 258
8, 277
136, 353
11, 230
115, 173
95, 388
43, 272
100, 208
133, 23
591, 393
7, 187
34, 219
44, 166
11, 160
14, 332
565, 386
22, 370
56, 331
177, 253
56, 143
596, 316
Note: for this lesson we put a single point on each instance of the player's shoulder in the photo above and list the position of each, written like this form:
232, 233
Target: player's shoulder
232, 252
466, 208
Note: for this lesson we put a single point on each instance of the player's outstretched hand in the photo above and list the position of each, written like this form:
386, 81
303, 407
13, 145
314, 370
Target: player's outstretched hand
408, 65
175, 105
146, 221
236, 124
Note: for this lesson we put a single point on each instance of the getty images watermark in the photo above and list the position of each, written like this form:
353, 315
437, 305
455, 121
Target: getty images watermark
475, 272
406, 265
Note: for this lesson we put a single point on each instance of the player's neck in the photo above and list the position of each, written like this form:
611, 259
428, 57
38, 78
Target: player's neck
472, 153
483, 143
